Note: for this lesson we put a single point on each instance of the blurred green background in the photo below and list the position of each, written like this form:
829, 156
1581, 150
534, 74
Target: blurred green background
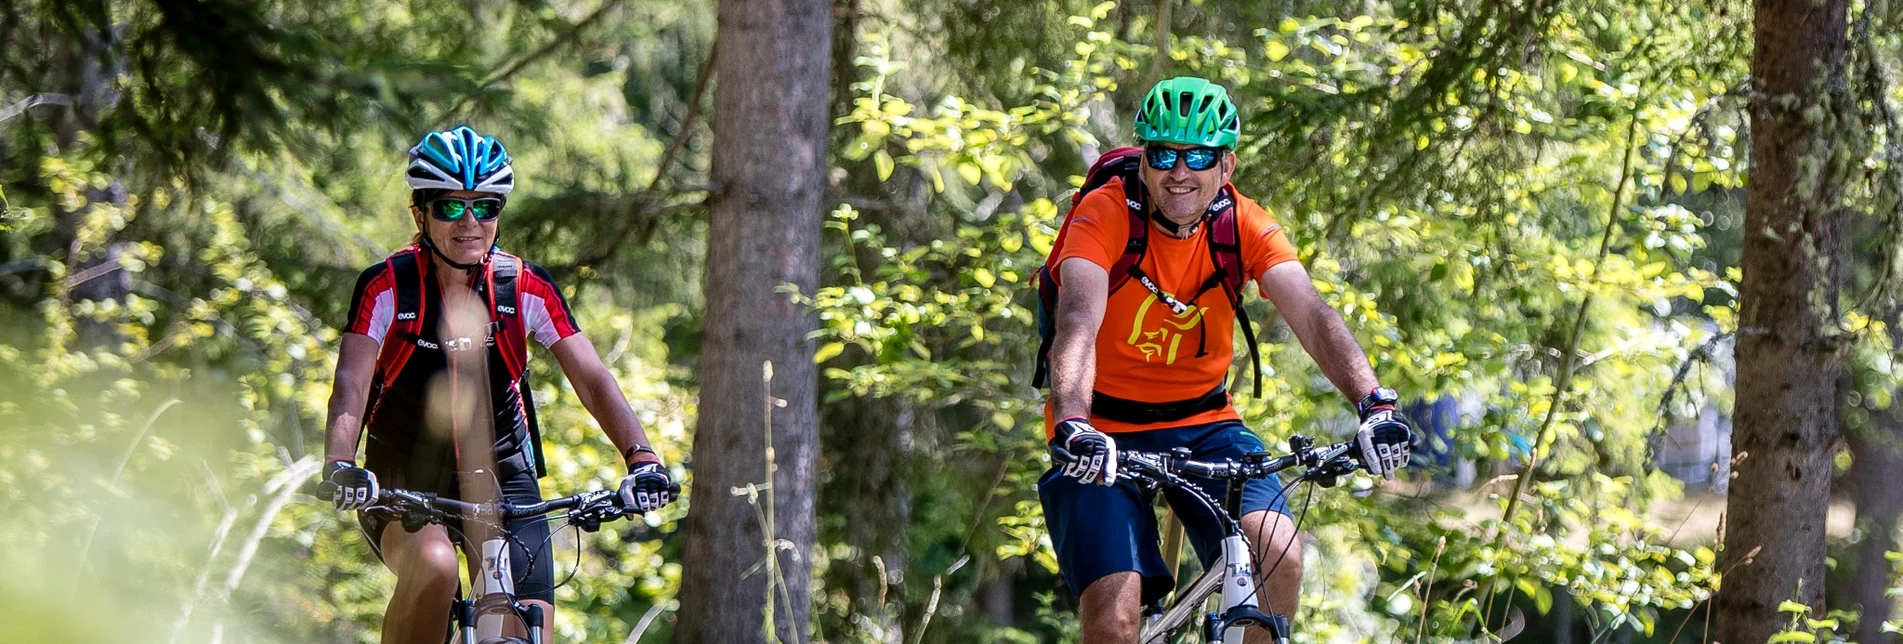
192, 186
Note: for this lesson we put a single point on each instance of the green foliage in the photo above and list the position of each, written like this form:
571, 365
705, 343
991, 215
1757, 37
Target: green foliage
1380, 140
178, 248
1804, 628
1469, 183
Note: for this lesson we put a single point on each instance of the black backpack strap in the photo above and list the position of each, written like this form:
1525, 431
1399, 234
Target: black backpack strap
1255, 359
505, 318
534, 444
504, 269
1225, 250
409, 281
406, 324
1130, 263
511, 334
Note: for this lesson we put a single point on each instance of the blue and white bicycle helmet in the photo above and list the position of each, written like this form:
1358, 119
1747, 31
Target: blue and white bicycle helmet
460, 159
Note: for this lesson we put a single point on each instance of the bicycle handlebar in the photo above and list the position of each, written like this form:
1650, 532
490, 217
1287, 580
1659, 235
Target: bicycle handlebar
587, 509
1325, 465
1324, 462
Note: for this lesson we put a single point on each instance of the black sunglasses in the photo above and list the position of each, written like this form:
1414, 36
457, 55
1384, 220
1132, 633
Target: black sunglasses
452, 209
1198, 159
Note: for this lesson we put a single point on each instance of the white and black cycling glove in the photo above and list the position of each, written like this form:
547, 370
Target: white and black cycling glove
349, 487
646, 488
1088, 455
1385, 441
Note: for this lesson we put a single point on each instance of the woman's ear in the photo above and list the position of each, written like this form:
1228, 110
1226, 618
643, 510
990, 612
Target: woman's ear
416, 215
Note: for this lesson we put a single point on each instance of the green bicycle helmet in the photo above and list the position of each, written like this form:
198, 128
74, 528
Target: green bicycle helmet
1190, 111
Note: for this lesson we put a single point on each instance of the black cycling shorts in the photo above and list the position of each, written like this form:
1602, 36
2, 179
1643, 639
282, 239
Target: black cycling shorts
531, 553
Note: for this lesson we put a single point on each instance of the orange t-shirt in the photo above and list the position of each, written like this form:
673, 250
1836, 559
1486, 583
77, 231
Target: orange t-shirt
1145, 352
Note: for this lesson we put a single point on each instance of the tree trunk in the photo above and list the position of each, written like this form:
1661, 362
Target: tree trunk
1562, 616
1876, 458
868, 446
1160, 60
1787, 379
998, 596
96, 61
769, 166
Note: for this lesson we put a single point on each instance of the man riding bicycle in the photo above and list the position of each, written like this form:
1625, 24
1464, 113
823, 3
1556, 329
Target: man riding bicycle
432, 364
1151, 275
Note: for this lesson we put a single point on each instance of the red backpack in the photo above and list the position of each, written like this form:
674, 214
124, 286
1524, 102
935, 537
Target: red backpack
505, 325
1225, 249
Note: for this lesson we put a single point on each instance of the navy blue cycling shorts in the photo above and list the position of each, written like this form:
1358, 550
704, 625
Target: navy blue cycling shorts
1098, 531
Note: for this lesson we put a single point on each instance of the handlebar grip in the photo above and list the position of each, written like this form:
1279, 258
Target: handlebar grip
1061, 456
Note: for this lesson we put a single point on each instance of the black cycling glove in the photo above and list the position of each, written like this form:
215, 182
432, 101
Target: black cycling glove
1385, 440
1088, 455
348, 486
646, 488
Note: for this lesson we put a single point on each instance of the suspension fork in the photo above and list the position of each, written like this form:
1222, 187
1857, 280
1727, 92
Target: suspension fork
463, 620
1240, 608
532, 620
495, 591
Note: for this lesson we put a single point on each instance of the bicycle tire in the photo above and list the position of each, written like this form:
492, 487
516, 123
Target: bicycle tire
504, 640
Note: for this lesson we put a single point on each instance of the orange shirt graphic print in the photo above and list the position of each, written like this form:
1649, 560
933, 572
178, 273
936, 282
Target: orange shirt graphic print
1165, 338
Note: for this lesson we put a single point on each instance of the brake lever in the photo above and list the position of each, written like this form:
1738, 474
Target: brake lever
416, 509
585, 521
1329, 473
598, 510
415, 518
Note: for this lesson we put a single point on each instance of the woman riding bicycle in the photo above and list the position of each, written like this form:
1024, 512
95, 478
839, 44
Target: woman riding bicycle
437, 333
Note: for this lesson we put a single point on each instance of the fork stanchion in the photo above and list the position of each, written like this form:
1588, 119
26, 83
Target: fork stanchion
1239, 608
466, 614
532, 618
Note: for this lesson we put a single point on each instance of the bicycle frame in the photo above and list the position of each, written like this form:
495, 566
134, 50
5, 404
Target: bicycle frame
1233, 571
482, 618
1239, 608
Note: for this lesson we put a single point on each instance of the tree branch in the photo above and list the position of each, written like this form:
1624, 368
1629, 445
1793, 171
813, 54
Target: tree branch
1567, 359
1678, 379
643, 204
570, 37
36, 100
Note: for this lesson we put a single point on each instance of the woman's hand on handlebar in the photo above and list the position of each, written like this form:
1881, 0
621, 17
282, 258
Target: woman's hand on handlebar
349, 487
647, 488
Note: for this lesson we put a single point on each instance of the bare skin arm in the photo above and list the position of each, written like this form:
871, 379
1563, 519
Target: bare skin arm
1320, 329
349, 391
601, 395
1074, 353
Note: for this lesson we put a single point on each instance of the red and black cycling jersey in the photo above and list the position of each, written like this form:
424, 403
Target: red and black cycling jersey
407, 445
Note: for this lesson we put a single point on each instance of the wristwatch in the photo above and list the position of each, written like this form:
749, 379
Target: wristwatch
1380, 397
633, 450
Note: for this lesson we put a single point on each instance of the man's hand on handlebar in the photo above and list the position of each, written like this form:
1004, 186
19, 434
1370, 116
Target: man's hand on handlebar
1088, 455
349, 487
1385, 440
